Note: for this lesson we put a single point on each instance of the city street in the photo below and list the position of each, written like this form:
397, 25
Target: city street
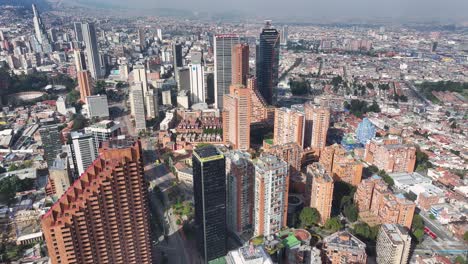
175, 247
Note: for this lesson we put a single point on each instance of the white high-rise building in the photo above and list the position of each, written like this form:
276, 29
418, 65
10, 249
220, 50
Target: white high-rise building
166, 97
84, 150
159, 34
140, 76
197, 84
284, 36
41, 36
393, 244
271, 195
137, 106
223, 44
104, 131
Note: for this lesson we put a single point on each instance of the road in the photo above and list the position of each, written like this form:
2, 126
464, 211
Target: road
175, 247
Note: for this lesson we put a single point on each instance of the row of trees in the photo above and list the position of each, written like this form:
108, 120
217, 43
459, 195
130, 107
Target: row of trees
9, 186
359, 108
426, 88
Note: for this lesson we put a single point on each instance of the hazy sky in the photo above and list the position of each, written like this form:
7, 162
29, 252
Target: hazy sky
317, 9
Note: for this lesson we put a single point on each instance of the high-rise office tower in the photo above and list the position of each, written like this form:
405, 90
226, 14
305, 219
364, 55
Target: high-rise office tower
84, 150
92, 50
320, 190
209, 187
284, 36
159, 34
89, 225
78, 31
50, 137
289, 126
223, 45
268, 62
140, 76
240, 173
271, 195
177, 55
393, 244
141, 38
197, 83
85, 85
80, 60
40, 31
236, 117
137, 106
240, 64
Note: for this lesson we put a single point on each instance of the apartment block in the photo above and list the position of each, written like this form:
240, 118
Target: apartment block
341, 165
103, 216
377, 204
289, 126
342, 247
391, 155
393, 244
320, 190
271, 195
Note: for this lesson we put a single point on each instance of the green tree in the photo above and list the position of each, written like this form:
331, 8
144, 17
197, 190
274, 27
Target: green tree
465, 236
418, 222
370, 86
351, 212
333, 224
100, 87
309, 216
418, 234
79, 122
460, 260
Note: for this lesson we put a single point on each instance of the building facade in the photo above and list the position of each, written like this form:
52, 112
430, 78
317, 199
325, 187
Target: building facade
240, 173
86, 225
84, 150
223, 45
391, 155
209, 188
341, 165
268, 50
393, 244
271, 195
50, 137
92, 50
320, 190
289, 126
236, 117
240, 64
85, 84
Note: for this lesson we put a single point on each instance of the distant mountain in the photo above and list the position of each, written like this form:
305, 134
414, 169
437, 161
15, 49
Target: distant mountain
41, 4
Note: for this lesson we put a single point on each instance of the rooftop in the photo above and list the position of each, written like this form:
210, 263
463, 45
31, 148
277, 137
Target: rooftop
207, 153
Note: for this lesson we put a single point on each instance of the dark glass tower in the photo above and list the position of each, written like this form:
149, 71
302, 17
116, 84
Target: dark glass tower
268, 49
177, 55
209, 186
50, 137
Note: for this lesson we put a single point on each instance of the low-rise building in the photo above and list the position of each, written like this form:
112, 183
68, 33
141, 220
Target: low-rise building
342, 247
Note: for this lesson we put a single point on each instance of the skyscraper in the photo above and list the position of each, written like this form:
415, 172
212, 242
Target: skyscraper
92, 50
240, 64
85, 85
137, 106
140, 78
320, 190
271, 195
80, 60
88, 223
50, 137
78, 31
223, 45
284, 36
40, 31
289, 126
141, 38
84, 151
177, 55
240, 175
236, 117
393, 244
209, 187
268, 62
197, 83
